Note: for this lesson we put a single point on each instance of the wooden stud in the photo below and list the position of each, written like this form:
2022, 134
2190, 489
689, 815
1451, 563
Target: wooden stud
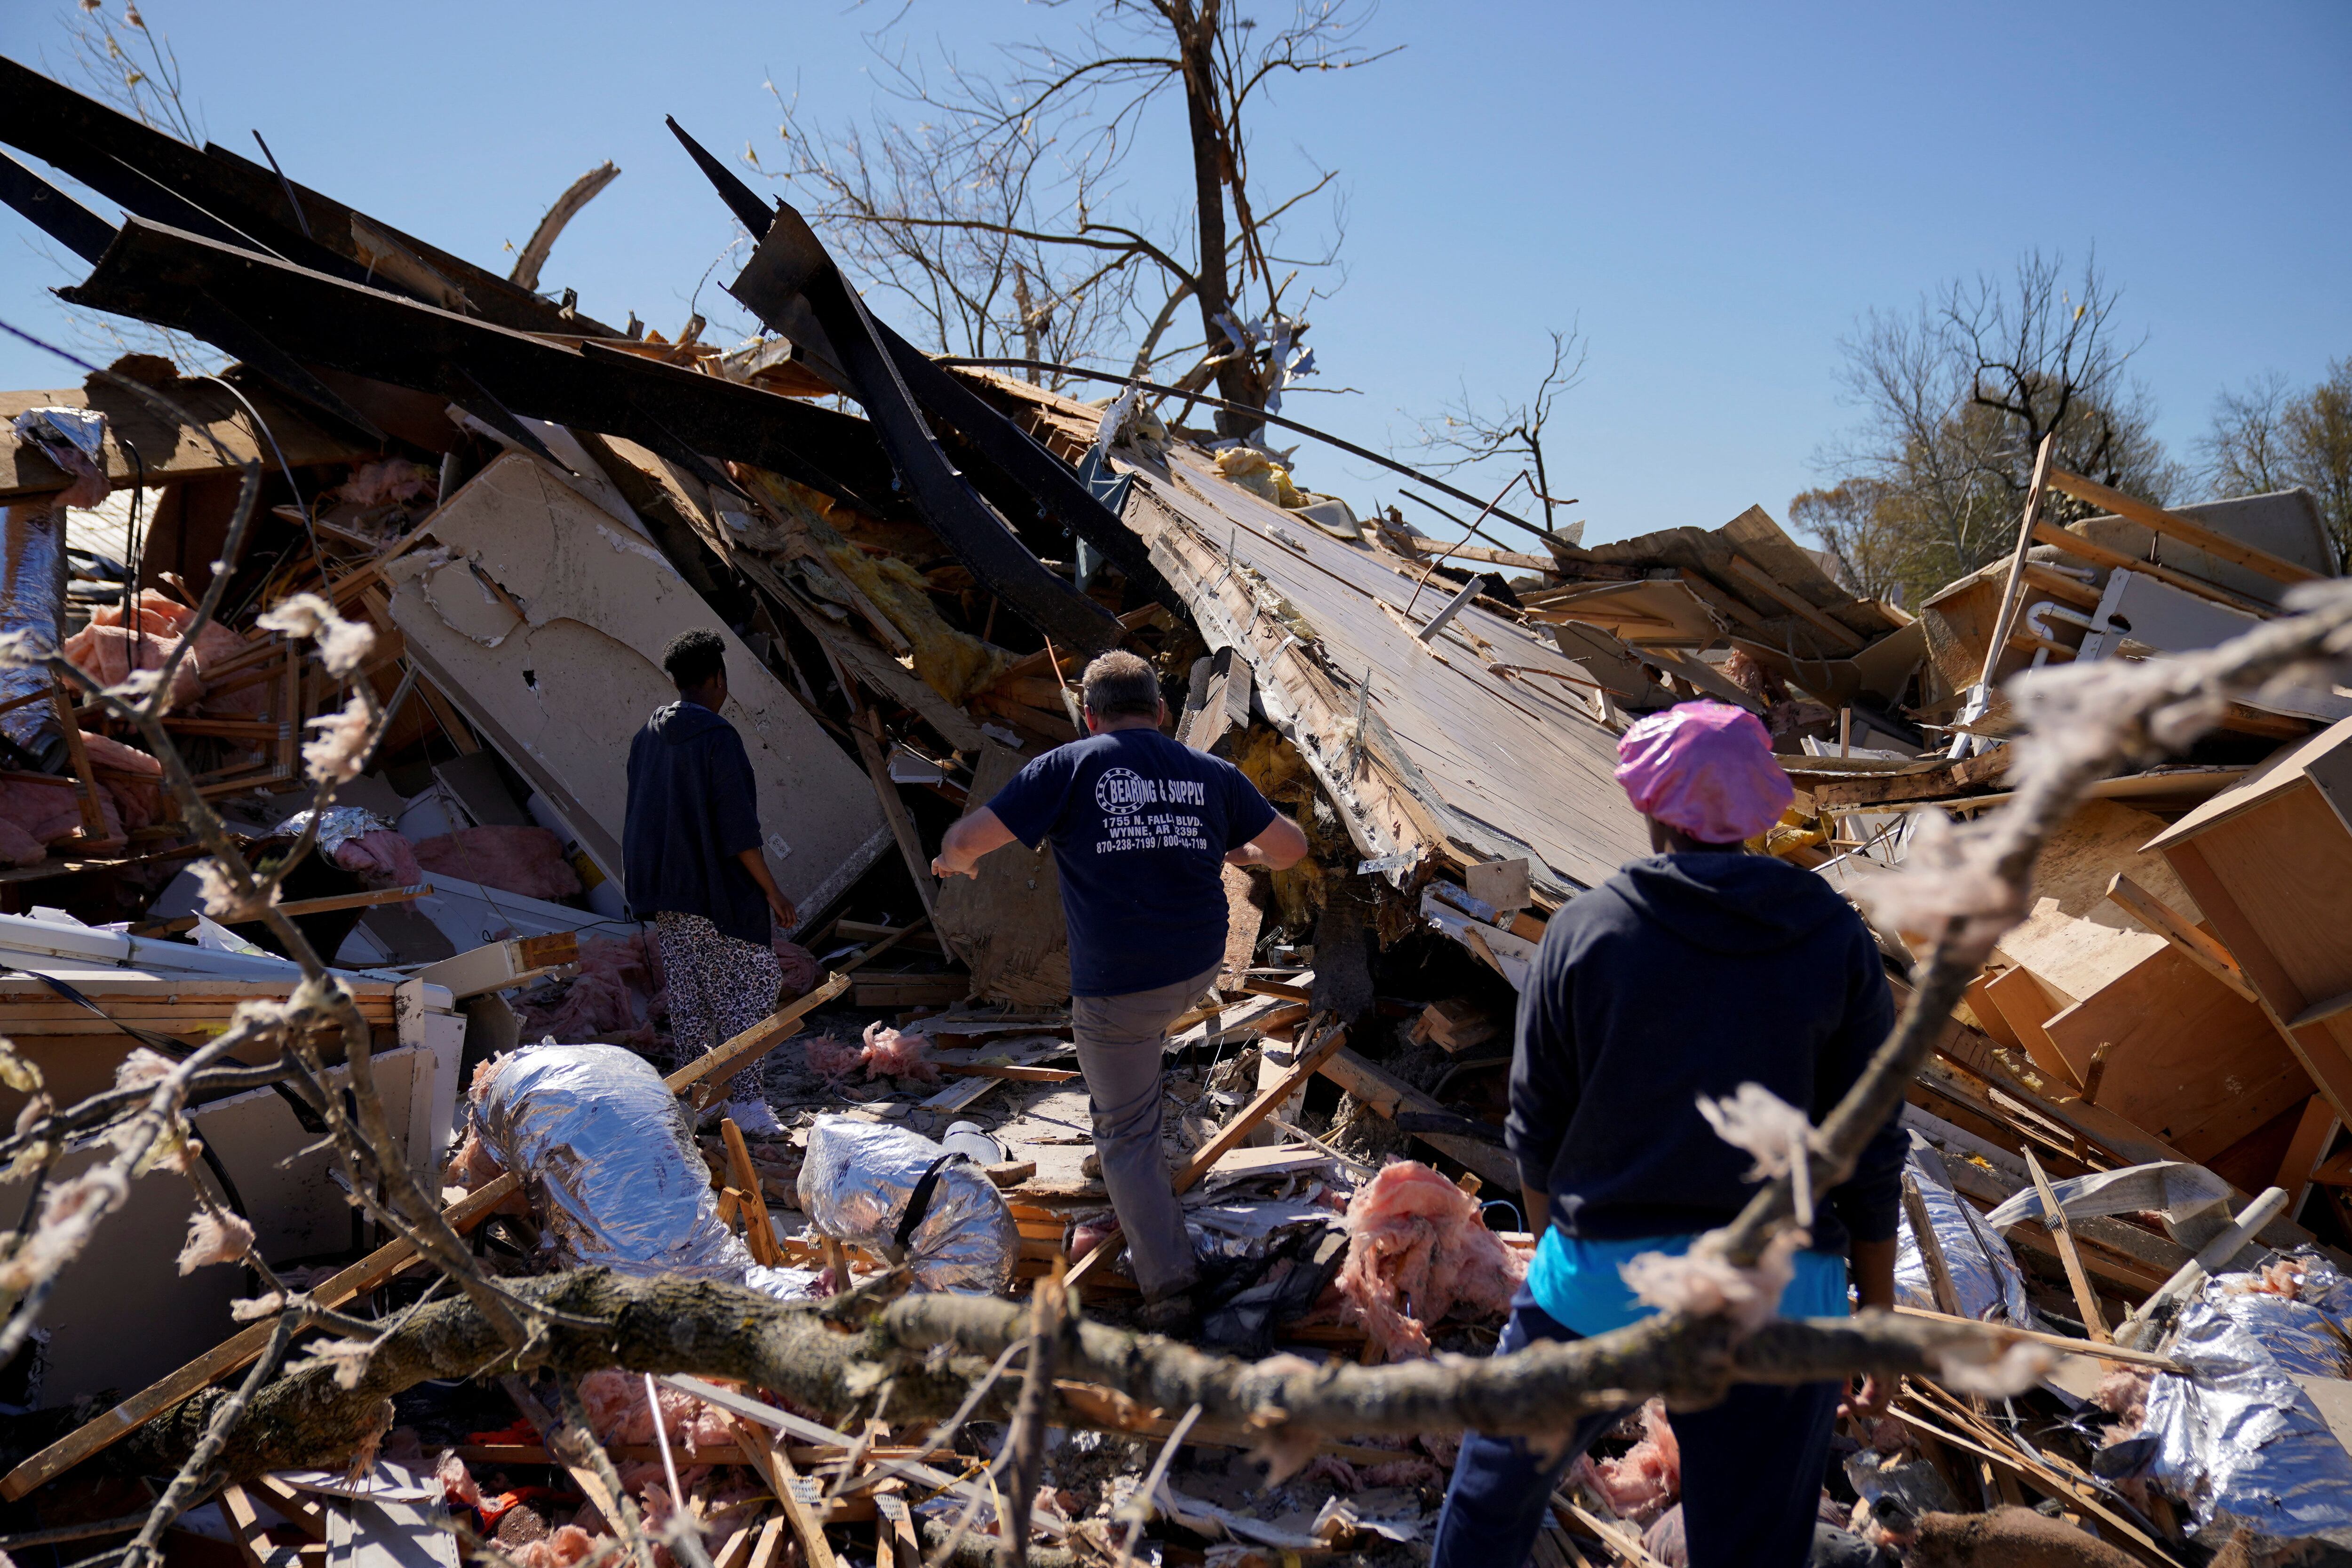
93, 815
2086, 1300
1931, 1250
2314, 1134
759, 1234
768, 1549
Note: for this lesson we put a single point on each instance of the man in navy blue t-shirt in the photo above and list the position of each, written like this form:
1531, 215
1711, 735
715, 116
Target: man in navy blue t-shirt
1140, 825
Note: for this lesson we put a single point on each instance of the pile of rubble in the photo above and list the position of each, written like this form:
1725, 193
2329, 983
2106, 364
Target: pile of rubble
525, 505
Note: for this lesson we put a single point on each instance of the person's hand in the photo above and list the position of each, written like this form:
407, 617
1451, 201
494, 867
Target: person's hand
786, 915
944, 868
1869, 1401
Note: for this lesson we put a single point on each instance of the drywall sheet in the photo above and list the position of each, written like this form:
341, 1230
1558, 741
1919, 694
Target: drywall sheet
544, 619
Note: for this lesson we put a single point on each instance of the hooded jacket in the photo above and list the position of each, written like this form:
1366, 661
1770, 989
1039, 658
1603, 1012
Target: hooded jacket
693, 808
1685, 976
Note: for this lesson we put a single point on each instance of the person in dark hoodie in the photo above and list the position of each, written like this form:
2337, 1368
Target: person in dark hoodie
690, 852
1681, 978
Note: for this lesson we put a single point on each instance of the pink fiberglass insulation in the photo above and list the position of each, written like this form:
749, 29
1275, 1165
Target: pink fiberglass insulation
1088, 1235
617, 1410
889, 1054
885, 1053
108, 654
525, 860
1418, 1249
134, 778
798, 966
569, 1544
383, 858
1644, 1482
618, 991
18, 847
831, 1058
47, 810
457, 1483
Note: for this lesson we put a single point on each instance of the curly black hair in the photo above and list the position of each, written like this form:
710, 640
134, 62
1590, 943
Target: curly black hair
693, 658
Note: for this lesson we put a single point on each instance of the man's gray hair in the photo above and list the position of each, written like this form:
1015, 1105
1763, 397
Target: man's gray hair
1118, 684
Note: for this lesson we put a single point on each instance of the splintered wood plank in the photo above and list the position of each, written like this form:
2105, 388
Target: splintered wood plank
2187, 530
2053, 1219
1388, 1095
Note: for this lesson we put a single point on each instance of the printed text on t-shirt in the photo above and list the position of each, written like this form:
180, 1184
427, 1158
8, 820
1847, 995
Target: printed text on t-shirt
1124, 797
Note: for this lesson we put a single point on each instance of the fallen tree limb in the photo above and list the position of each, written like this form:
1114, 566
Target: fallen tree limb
927, 1349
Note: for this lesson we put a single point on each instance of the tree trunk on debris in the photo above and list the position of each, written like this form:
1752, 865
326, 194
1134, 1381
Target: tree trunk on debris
818, 1358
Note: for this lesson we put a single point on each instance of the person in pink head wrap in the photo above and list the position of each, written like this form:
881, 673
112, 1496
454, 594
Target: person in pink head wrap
1693, 975
1705, 773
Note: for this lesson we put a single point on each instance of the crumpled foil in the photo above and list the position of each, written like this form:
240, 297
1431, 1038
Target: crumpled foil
2243, 1440
336, 826
1986, 1280
611, 1167
855, 1181
32, 597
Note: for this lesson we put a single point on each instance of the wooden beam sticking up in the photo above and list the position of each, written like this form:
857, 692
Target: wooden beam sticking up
769, 1460
758, 1234
2053, 1220
867, 730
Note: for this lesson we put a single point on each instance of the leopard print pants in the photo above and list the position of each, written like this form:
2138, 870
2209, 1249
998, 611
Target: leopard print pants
719, 986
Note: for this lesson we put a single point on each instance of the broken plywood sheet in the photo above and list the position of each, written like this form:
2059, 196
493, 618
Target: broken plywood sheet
545, 620
2074, 957
1006, 923
2104, 838
2187, 1058
1457, 759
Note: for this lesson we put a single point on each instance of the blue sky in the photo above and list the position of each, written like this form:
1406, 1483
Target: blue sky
1711, 193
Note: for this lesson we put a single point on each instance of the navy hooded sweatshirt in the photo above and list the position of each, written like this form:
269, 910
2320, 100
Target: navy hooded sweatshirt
693, 808
1685, 976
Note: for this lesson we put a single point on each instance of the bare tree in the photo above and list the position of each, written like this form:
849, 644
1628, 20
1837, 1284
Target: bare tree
2267, 439
133, 66
981, 198
1849, 521
1956, 397
1463, 434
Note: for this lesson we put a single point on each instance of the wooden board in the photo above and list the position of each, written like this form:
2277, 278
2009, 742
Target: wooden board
2188, 1058
1006, 924
167, 450
1388, 1094
2023, 1004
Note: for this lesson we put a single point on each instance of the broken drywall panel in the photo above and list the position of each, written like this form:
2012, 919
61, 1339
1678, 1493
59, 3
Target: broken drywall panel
1479, 746
124, 1315
545, 620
